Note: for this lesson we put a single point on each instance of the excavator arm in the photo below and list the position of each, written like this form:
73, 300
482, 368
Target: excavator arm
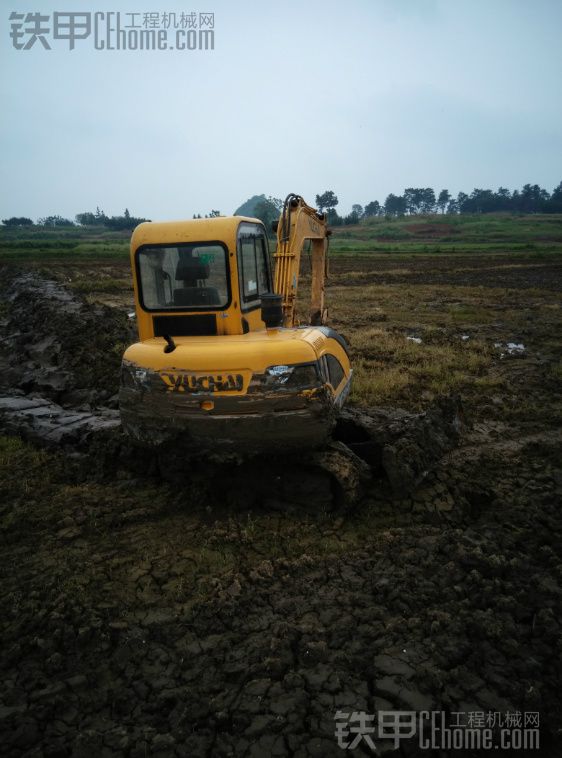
299, 223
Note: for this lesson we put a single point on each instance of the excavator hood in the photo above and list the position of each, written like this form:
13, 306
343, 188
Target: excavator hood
227, 362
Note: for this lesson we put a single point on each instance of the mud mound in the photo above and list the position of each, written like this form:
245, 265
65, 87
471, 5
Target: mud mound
59, 346
405, 446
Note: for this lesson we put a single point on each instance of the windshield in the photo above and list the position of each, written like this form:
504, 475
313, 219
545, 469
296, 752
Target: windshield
187, 276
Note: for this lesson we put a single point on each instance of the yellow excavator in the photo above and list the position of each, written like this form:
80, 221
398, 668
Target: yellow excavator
221, 362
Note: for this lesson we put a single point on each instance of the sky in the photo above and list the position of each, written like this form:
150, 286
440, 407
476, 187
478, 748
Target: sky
364, 98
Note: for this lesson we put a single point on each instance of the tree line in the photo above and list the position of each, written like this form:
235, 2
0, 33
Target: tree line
423, 200
88, 218
413, 201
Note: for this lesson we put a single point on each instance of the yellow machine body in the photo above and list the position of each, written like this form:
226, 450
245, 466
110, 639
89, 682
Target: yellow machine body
206, 371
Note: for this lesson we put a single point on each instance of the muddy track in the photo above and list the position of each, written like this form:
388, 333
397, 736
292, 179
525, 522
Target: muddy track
151, 611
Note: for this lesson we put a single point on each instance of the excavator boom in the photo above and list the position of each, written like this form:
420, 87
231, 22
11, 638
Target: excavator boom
298, 224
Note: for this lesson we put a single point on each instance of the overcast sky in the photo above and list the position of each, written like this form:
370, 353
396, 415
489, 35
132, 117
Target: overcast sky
364, 98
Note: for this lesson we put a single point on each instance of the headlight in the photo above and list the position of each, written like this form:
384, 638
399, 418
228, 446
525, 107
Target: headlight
286, 377
279, 374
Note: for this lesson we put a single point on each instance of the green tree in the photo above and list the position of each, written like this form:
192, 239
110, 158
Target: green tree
555, 203
333, 218
413, 199
462, 200
373, 208
17, 221
85, 219
327, 200
503, 199
443, 200
54, 221
124, 222
533, 198
101, 218
481, 201
395, 205
427, 201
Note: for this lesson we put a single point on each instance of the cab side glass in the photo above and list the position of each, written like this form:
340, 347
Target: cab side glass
335, 371
253, 264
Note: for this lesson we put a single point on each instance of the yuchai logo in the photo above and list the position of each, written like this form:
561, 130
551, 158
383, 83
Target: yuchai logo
158, 30
194, 383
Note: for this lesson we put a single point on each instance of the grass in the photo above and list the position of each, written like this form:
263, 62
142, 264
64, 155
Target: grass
67, 244
437, 234
415, 235
390, 367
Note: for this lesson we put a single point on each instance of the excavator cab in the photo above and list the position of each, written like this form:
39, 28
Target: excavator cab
220, 362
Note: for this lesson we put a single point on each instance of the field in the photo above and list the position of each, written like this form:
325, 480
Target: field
236, 613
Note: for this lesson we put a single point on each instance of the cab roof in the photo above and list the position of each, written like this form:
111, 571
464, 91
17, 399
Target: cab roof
222, 228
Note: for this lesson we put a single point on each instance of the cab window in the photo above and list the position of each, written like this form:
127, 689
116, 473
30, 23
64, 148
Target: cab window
189, 276
253, 263
335, 371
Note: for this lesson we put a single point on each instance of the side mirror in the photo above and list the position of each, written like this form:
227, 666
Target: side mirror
272, 310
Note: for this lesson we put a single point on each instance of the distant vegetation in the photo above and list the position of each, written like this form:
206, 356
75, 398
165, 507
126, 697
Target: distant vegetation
267, 209
534, 235
17, 221
248, 208
86, 219
415, 201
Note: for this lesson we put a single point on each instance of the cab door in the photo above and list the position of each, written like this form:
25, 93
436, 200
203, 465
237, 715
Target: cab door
254, 273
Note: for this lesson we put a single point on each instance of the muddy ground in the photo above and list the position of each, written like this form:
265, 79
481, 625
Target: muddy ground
234, 613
